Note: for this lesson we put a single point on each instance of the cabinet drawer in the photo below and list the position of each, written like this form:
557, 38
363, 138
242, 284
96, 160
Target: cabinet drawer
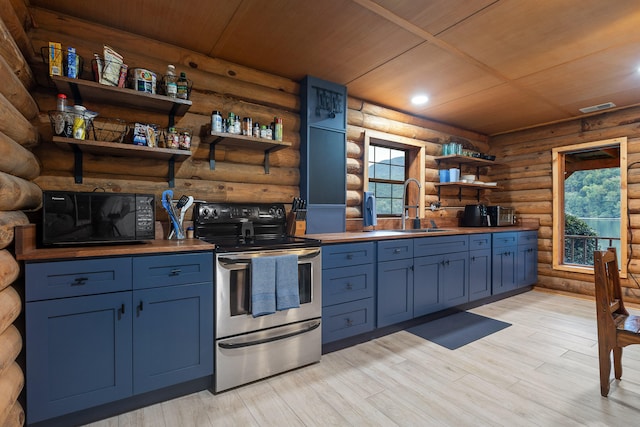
525, 237
347, 284
395, 249
505, 239
347, 254
425, 246
480, 241
61, 279
175, 269
346, 320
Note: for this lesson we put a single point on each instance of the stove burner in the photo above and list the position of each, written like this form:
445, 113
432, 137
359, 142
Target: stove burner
243, 227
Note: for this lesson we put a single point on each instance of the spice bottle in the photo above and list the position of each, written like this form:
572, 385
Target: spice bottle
182, 86
237, 126
277, 131
61, 104
171, 86
256, 130
216, 121
247, 127
231, 120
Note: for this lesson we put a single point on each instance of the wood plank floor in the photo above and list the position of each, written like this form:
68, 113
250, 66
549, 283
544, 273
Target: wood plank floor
541, 371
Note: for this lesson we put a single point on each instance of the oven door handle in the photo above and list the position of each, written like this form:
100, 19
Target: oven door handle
235, 345
224, 261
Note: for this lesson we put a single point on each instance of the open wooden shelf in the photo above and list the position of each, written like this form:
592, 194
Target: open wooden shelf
120, 149
86, 90
81, 146
244, 141
466, 185
464, 160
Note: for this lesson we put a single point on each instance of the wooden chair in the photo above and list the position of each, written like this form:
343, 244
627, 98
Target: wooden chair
616, 328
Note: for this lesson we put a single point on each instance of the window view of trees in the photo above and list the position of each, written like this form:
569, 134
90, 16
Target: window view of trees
592, 213
386, 178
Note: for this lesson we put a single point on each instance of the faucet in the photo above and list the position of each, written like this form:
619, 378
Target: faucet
405, 208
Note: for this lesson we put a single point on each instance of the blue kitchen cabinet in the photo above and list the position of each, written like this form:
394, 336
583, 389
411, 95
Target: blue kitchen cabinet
527, 258
348, 283
479, 266
395, 275
172, 335
441, 273
78, 353
323, 154
94, 335
504, 262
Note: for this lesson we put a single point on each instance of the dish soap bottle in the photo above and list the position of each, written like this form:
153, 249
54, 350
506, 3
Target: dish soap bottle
183, 87
170, 82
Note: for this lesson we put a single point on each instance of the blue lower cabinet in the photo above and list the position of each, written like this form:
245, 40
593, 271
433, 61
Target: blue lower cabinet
427, 297
347, 319
172, 335
454, 278
395, 291
479, 274
78, 353
504, 269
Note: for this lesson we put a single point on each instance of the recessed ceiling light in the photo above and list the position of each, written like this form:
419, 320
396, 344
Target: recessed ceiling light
598, 107
419, 99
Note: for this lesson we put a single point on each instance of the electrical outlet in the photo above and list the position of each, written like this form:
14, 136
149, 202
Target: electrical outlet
435, 206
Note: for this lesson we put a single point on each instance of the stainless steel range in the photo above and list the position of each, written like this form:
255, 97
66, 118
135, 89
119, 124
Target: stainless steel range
248, 347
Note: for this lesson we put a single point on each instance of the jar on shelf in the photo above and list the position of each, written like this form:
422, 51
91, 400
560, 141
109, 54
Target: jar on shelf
184, 141
216, 121
256, 130
173, 139
170, 82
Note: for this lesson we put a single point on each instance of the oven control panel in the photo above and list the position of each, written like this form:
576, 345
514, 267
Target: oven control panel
205, 213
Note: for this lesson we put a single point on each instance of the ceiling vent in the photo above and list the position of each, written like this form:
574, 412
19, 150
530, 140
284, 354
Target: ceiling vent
598, 107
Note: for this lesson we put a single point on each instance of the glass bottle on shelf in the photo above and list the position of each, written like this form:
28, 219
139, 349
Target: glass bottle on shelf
171, 86
183, 86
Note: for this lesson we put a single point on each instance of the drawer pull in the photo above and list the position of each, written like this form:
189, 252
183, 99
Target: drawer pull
396, 251
349, 256
79, 281
349, 286
348, 322
175, 272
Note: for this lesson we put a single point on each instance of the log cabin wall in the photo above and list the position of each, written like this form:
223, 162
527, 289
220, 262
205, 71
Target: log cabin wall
527, 183
239, 175
18, 168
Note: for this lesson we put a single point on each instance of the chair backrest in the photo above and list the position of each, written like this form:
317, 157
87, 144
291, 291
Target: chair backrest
607, 285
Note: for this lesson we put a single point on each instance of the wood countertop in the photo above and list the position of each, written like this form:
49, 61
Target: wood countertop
26, 249
364, 236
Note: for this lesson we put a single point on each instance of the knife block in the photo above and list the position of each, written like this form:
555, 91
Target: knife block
295, 225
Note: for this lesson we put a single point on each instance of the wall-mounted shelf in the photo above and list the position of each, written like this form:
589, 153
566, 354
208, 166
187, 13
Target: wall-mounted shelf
461, 185
86, 90
81, 146
464, 160
232, 140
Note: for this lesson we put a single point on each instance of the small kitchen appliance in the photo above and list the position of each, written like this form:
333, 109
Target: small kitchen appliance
501, 216
75, 218
476, 216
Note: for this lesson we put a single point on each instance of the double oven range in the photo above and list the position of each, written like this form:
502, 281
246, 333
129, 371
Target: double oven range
249, 348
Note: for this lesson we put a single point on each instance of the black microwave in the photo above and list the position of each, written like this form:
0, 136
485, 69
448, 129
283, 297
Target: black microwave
74, 218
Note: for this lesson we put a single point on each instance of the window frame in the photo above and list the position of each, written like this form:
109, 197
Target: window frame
558, 172
414, 165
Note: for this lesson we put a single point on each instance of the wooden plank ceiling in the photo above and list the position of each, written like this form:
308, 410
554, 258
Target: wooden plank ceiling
488, 66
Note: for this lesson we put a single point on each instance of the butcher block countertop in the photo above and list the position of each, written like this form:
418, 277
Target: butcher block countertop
26, 249
364, 236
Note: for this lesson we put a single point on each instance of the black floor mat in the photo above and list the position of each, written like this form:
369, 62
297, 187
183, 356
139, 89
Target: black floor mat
458, 329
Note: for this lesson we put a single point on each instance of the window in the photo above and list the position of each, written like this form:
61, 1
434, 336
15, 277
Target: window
388, 161
386, 178
589, 203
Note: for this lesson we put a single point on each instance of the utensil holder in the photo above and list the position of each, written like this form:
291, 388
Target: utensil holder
297, 223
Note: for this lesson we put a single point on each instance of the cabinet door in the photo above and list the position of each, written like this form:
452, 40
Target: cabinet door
479, 274
395, 291
427, 297
78, 353
172, 335
504, 269
454, 279
527, 264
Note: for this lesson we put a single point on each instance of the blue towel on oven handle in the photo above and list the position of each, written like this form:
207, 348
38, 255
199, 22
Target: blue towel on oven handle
263, 286
287, 292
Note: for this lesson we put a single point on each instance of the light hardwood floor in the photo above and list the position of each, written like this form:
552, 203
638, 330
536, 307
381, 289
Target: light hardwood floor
541, 371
